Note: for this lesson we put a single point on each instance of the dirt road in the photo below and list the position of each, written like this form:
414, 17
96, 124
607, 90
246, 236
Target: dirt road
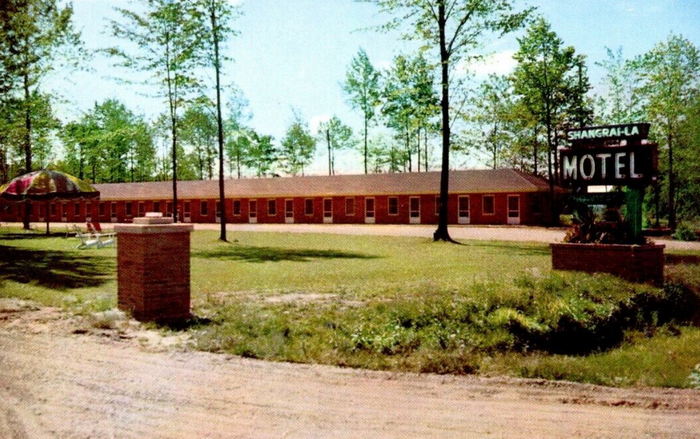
61, 377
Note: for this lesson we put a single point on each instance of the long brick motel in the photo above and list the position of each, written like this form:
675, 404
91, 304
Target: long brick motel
502, 196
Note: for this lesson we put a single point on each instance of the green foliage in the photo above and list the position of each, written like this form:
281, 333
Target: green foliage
35, 36
337, 136
363, 90
685, 233
110, 144
199, 132
668, 78
297, 146
262, 154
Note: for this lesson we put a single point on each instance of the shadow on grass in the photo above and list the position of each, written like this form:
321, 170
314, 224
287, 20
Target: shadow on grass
30, 235
514, 248
181, 325
53, 269
276, 254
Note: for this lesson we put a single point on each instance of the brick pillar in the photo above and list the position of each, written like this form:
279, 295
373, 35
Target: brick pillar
153, 268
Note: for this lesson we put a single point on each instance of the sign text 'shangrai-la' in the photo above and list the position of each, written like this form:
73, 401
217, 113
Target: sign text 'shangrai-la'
595, 135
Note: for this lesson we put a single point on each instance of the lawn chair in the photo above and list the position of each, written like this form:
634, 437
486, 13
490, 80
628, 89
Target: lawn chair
87, 240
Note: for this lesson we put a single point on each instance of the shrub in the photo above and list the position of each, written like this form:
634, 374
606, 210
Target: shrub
684, 233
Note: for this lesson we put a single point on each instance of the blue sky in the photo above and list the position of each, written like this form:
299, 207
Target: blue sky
294, 53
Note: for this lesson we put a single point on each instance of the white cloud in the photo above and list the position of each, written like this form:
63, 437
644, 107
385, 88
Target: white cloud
500, 63
315, 121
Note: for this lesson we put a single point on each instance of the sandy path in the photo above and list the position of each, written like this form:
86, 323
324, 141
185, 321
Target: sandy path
56, 383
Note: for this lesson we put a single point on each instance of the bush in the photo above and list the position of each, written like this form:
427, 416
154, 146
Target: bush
685, 233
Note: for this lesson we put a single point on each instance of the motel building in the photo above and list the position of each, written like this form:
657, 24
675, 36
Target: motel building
500, 196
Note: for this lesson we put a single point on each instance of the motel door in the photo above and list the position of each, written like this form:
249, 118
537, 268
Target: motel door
513, 209
253, 211
369, 211
414, 210
289, 211
328, 210
112, 212
463, 209
187, 214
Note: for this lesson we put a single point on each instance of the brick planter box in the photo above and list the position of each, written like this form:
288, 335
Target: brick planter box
637, 263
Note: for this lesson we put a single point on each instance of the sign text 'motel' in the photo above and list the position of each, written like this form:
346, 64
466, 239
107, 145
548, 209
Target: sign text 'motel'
600, 157
611, 166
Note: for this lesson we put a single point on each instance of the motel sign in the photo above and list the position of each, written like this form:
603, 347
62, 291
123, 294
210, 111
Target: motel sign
608, 155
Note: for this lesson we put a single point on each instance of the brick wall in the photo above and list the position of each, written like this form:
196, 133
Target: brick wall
636, 263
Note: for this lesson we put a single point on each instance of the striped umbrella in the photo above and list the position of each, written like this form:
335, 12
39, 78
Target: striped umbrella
47, 185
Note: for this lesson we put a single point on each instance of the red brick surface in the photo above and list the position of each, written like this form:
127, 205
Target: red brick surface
637, 263
154, 275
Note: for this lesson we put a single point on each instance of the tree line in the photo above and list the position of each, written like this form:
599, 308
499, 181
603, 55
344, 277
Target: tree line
425, 98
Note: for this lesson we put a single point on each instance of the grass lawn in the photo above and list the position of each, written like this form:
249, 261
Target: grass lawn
398, 303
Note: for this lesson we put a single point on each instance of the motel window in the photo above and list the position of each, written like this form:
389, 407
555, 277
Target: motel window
127, 208
142, 209
253, 208
204, 208
271, 207
349, 206
237, 207
102, 209
156, 206
488, 205
393, 206
309, 206
52, 209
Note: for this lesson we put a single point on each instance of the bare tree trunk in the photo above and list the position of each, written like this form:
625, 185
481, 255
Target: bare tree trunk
219, 122
442, 234
671, 184
27, 145
366, 124
330, 152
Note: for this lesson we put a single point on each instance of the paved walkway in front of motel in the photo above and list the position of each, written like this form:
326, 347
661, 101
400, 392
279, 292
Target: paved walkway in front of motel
485, 233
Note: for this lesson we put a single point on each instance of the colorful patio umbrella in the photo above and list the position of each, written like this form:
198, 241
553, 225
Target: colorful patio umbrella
47, 185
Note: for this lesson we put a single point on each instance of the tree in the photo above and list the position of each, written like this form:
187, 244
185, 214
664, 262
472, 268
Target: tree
337, 136
362, 86
199, 131
298, 146
109, 144
492, 115
217, 29
620, 103
547, 80
669, 80
36, 35
452, 28
262, 154
398, 106
167, 39
238, 145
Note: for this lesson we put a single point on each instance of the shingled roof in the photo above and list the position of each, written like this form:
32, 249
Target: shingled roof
413, 183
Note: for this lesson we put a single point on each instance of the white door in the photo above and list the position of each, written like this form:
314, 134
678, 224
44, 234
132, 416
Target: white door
414, 210
513, 209
289, 211
463, 209
253, 211
369, 211
328, 210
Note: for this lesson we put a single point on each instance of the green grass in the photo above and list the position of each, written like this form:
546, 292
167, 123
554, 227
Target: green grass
399, 304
